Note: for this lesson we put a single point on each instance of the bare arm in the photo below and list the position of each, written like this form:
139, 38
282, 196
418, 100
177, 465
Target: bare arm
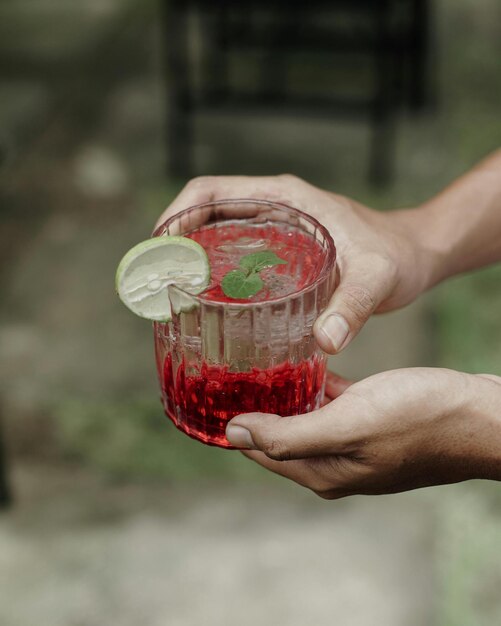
461, 226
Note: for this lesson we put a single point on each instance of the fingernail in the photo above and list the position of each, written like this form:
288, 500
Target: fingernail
239, 437
336, 330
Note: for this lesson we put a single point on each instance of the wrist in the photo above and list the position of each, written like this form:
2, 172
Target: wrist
430, 256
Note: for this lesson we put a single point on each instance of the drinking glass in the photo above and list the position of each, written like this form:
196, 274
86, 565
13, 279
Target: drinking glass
218, 357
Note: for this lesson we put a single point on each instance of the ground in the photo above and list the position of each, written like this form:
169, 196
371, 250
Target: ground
91, 553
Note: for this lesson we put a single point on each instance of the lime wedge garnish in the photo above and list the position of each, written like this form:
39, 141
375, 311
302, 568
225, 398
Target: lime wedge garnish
148, 269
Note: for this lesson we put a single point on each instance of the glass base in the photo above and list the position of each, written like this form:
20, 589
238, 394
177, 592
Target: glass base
225, 444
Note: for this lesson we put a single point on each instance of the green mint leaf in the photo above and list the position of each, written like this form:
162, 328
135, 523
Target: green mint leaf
258, 261
237, 284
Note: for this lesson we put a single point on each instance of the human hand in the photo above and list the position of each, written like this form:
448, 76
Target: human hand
381, 264
392, 432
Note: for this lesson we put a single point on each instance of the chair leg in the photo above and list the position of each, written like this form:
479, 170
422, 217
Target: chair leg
223, 33
215, 61
5, 492
179, 98
383, 108
419, 83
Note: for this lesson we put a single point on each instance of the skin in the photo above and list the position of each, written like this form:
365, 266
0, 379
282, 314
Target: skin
392, 432
402, 429
375, 254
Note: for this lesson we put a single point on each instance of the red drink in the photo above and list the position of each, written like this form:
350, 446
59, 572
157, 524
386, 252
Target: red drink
226, 244
215, 395
226, 356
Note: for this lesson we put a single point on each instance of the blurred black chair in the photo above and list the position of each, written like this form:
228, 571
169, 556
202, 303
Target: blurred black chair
391, 35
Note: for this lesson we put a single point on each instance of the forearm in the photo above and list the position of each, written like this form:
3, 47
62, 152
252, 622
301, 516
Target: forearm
460, 228
482, 426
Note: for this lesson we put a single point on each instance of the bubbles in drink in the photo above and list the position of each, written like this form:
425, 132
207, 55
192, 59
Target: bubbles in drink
226, 243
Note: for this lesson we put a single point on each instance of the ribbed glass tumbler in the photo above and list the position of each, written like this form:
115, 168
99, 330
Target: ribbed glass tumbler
220, 356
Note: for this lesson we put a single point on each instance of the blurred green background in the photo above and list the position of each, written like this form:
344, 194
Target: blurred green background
118, 516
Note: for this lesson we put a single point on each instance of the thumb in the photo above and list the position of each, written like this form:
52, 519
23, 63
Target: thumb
358, 295
286, 438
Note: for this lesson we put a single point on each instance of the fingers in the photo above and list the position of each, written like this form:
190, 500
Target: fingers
361, 289
302, 473
204, 189
367, 278
319, 433
298, 471
335, 385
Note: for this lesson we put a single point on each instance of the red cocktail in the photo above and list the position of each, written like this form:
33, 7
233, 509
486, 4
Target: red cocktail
245, 344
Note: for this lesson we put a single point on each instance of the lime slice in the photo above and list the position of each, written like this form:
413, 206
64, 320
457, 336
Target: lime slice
148, 269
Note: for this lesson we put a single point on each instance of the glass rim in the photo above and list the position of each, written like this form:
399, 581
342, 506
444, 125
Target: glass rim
328, 266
